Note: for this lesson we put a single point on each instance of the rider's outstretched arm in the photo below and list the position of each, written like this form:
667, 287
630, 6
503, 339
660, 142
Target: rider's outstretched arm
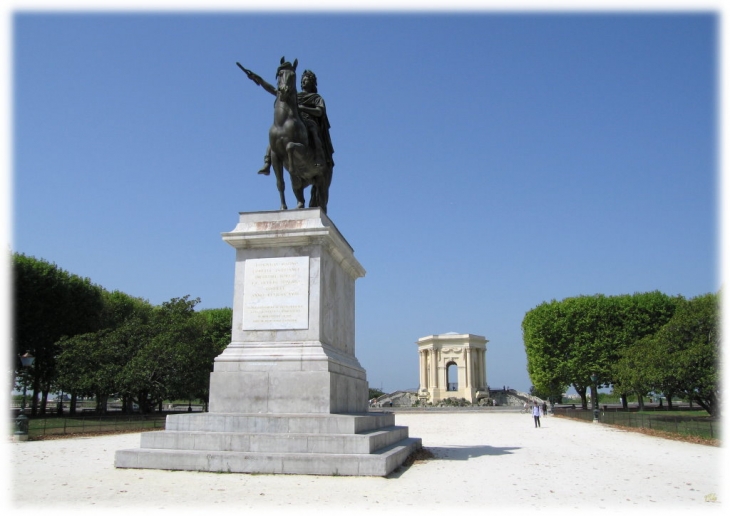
258, 80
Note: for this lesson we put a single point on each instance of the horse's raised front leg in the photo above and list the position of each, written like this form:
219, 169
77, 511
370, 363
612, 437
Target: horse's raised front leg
279, 173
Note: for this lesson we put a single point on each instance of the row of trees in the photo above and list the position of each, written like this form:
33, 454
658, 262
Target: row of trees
91, 342
637, 344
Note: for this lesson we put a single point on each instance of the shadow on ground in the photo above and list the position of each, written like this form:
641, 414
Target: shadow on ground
467, 452
449, 453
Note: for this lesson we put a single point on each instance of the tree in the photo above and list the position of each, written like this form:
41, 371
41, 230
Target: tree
94, 363
167, 363
218, 323
546, 337
88, 366
217, 335
90, 341
148, 354
374, 393
687, 350
642, 316
48, 304
568, 342
632, 373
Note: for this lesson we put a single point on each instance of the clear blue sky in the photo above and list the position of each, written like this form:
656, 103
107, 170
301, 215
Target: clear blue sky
485, 162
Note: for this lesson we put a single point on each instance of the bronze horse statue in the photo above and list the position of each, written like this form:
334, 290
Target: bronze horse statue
289, 142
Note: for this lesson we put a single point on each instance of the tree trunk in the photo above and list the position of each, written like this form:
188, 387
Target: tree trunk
641, 401
34, 399
709, 404
625, 401
101, 404
72, 405
44, 401
582, 393
127, 405
143, 402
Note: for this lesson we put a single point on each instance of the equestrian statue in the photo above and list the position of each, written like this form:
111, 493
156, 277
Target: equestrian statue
299, 138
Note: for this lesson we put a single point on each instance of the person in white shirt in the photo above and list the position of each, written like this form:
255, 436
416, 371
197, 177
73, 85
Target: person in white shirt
536, 414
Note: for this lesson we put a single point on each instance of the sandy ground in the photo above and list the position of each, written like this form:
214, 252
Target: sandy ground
482, 461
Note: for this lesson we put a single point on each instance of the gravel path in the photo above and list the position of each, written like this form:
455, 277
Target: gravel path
481, 460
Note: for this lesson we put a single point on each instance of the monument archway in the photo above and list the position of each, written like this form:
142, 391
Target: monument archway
452, 376
463, 352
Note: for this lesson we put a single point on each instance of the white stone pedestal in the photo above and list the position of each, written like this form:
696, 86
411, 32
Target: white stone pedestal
288, 394
293, 338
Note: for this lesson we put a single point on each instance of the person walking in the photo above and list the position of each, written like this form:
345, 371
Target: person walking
536, 414
544, 409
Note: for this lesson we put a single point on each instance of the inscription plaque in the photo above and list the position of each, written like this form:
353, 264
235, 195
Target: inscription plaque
276, 294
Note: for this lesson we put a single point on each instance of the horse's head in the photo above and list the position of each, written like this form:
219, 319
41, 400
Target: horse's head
286, 77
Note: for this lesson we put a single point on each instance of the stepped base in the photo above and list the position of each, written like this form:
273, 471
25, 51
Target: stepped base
301, 444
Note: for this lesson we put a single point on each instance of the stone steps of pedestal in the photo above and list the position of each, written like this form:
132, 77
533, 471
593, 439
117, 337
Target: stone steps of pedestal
367, 442
279, 423
379, 463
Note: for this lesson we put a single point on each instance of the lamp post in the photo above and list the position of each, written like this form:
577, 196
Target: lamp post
21, 422
594, 398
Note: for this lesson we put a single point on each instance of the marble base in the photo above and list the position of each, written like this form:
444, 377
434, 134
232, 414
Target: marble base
327, 444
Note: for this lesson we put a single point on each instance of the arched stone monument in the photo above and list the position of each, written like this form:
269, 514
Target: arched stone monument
464, 352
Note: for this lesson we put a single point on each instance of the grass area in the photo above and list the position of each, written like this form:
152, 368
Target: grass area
689, 423
689, 438
692, 426
55, 437
41, 428
690, 414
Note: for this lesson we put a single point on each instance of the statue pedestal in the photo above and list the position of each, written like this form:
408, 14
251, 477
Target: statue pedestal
288, 394
293, 337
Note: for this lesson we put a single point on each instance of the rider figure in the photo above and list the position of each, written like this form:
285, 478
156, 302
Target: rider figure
313, 113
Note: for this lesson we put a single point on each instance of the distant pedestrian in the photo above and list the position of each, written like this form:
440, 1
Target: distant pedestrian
544, 408
536, 414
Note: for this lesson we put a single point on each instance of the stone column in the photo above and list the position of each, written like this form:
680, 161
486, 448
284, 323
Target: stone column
421, 366
475, 360
469, 369
435, 369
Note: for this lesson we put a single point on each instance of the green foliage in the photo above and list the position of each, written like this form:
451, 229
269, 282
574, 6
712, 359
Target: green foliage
553, 396
98, 363
48, 304
568, 341
632, 372
120, 308
210, 334
682, 357
374, 393
640, 343
167, 364
454, 402
218, 323
89, 341
152, 354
